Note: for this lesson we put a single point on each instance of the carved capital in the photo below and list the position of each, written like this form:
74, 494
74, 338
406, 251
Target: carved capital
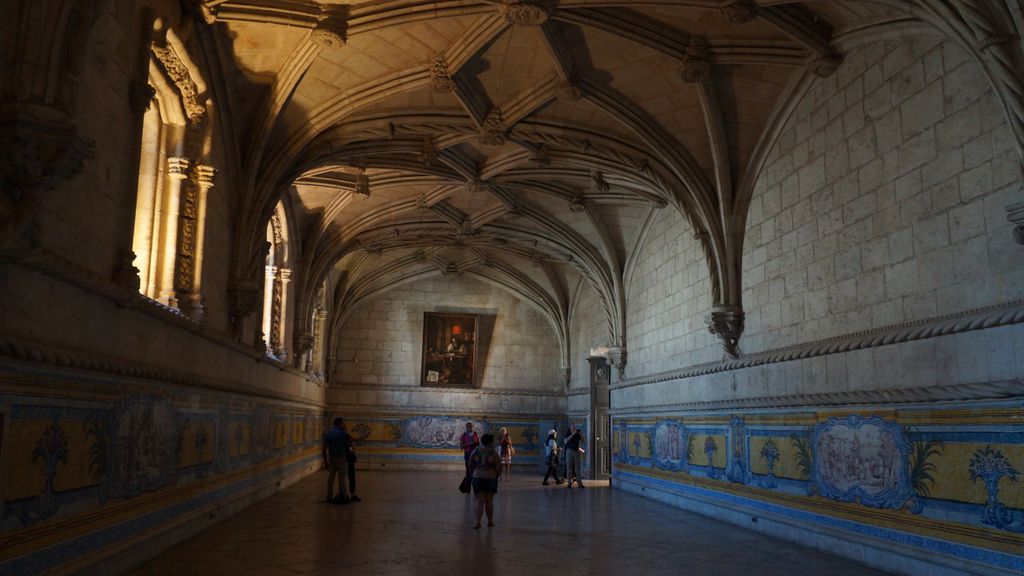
492, 133
1015, 214
140, 94
523, 13
726, 322
826, 65
244, 297
126, 275
740, 11
303, 343
178, 168
205, 175
617, 357
695, 65
41, 149
331, 30
440, 76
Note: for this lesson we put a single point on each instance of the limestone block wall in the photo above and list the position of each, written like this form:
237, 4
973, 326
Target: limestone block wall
381, 340
882, 292
667, 298
882, 200
377, 383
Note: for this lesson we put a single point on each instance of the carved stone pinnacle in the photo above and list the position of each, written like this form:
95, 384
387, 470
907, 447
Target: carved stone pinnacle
726, 322
440, 76
695, 65
740, 11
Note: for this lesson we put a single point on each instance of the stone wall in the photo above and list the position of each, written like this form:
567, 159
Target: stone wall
381, 340
882, 201
667, 297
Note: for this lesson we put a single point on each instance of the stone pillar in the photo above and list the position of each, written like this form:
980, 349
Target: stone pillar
283, 287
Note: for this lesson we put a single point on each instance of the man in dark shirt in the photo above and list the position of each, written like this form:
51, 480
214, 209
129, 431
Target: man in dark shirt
573, 453
337, 446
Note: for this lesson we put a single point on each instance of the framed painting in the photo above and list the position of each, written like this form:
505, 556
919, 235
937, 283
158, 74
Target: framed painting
449, 350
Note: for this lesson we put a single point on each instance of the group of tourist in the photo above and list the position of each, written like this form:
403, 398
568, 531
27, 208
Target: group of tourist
484, 463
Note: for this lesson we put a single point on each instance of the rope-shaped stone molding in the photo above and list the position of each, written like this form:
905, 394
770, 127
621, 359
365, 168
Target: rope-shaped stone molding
414, 388
19, 349
943, 393
990, 317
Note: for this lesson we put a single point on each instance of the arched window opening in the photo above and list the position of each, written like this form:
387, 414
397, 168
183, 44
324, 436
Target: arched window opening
315, 364
174, 179
276, 287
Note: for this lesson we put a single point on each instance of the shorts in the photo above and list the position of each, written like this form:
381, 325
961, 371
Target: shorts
485, 485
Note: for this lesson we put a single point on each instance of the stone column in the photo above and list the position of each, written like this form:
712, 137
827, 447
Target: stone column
283, 287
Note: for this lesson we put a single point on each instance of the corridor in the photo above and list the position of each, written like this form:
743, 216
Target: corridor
417, 523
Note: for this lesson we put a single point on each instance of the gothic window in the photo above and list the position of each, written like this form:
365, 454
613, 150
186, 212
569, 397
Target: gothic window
276, 287
174, 180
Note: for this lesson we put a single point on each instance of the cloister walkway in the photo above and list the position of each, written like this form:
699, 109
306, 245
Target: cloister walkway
417, 523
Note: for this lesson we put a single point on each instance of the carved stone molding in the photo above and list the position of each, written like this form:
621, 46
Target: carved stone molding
740, 11
988, 317
695, 65
182, 78
1015, 214
41, 149
726, 322
617, 357
826, 65
523, 13
354, 386
440, 76
244, 299
331, 29
493, 130
931, 393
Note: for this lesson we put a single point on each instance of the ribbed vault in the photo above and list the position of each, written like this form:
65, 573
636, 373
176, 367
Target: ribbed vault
526, 143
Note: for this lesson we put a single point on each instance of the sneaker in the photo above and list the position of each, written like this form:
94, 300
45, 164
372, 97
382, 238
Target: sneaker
545, 483
340, 500
355, 498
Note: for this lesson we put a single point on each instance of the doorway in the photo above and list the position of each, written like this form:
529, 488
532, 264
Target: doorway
600, 422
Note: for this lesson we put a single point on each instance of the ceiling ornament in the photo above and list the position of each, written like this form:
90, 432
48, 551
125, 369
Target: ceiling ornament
578, 202
598, 183
440, 75
526, 13
540, 157
331, 30
826, 64
492, 132
429, 154
477, 186
740, 11
695, 65
362, 184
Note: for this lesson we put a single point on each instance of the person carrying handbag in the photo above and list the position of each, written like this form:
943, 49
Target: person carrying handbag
551, 457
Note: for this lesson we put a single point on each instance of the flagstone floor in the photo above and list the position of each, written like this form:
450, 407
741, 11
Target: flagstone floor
417, 523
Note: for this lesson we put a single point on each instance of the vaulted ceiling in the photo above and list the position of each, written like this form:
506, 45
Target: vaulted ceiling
525, 143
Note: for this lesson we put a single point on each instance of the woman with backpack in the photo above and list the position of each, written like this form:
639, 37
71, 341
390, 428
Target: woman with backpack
551, 457
485, 466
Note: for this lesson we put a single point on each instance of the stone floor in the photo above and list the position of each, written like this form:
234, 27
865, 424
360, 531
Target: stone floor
417, 523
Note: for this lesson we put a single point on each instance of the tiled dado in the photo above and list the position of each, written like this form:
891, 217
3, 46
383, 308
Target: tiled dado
931, 481
109, 463
421, 439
